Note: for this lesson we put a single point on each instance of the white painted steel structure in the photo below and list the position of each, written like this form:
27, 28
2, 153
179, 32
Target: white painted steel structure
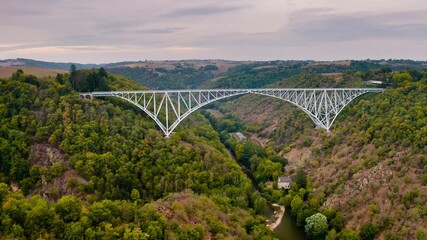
169, 107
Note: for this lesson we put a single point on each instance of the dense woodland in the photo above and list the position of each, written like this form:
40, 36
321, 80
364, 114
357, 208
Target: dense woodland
253, 74
182, 77
371, 167
73, 169
265, 166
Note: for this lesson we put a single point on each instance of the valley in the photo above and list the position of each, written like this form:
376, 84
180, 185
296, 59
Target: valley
213, 120
107, 162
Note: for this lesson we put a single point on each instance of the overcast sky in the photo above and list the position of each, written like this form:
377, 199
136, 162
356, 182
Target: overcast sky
101, 31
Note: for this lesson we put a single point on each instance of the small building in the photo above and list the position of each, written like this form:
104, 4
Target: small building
376, 82
284, 182
239, 136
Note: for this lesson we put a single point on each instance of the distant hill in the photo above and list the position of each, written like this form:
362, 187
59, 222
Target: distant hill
6, 72
232, 74
223, 65
181, 74
218, 73
43, 64
261, 74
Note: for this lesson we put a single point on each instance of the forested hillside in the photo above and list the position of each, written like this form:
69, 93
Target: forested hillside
230, 74
74, 169
371, 167
20, 62
161, 78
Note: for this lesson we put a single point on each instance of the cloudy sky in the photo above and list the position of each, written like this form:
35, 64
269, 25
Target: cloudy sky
100, 31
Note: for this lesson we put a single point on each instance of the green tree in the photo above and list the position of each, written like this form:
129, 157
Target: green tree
74, 230
18, 74
401, 78
332, 235
16, 208
316, 226
216, 226
39, 217
368, 231
69, 208
304, 213
347, 234
100, 212
134, 195
267, 170
17, 232
102, 72
134, 234
296, 206
301, 178
209, 67
337, 222
73, 75
4, 191
60, 78
260, 205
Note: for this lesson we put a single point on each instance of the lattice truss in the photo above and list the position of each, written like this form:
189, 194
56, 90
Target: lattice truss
322, 105
168, 108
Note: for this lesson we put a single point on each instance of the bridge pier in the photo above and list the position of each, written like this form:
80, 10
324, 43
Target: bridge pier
86, 96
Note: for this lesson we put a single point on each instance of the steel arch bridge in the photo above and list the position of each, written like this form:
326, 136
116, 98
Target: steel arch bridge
170, 107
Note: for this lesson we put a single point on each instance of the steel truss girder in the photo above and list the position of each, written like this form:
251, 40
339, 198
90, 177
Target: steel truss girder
170, 107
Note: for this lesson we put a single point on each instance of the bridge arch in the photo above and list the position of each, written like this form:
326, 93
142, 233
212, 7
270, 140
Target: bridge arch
168, 108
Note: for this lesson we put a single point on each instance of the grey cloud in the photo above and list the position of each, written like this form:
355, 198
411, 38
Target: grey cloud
339, 27
134, 29
314, 26
115, 39
19, 46
324, 34
22, 8
201, 11
221, 29
117, 24
166, 30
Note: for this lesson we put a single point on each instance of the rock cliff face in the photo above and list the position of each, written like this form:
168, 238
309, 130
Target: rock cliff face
54, 184
44, 154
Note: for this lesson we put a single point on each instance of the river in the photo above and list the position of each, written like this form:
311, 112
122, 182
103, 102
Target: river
287, 228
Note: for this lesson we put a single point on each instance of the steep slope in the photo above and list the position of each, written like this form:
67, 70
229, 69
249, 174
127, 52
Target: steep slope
371, 167
114, 161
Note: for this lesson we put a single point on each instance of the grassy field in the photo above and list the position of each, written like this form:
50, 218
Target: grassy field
222, 65
6, 72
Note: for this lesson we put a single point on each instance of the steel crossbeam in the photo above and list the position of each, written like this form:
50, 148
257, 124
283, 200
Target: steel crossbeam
170, 107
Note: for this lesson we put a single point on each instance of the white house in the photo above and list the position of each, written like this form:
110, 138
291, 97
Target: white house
374, 82
284, 182
239, 136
